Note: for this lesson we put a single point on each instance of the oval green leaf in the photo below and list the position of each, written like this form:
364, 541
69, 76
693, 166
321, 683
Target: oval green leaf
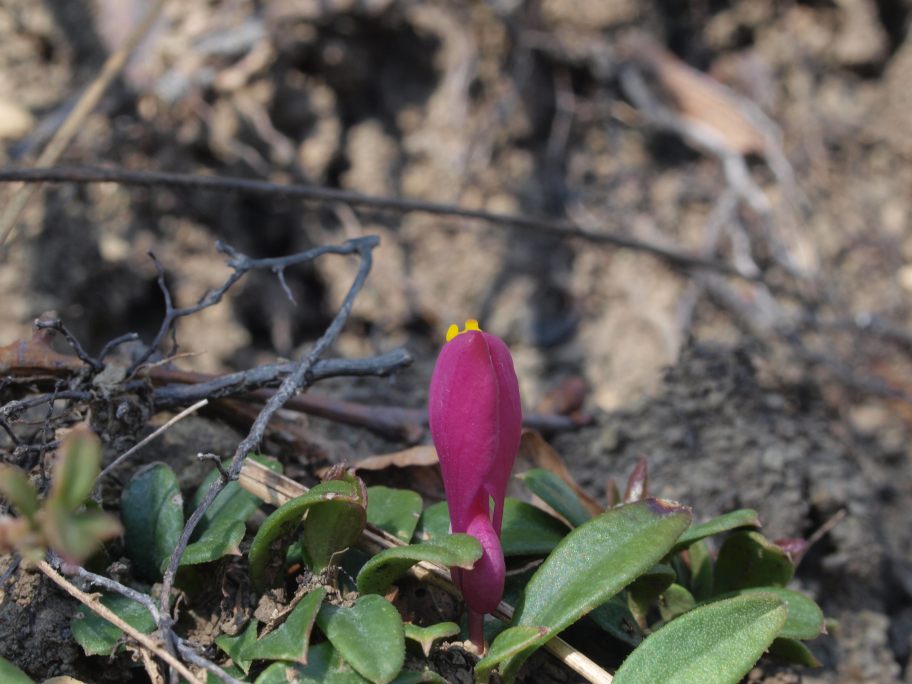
805, 619
77, 466
556, 493
369, 636
646, 589
674, 602
10, 674
794, 652
394, 510
97, 636
509, 643
594, 562
426, 636
233, 503
461, 550
748, 559
702, 570
718, 642
526, 531
614, 617
744, 517
220, 539
16, 488
152, 511
291, 640
330, 527
285, 518
324, 666
235, 645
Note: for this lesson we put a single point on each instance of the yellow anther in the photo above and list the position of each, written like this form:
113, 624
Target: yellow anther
454, 330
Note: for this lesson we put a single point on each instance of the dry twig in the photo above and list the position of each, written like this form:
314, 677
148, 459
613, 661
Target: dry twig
317, 193
299, 378
96, 606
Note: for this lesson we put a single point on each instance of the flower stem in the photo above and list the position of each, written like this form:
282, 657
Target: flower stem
476, 630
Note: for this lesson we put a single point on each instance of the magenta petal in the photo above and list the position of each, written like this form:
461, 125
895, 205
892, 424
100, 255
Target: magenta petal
482, 586
475, 416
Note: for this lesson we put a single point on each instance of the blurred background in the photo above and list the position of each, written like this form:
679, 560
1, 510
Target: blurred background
773, 139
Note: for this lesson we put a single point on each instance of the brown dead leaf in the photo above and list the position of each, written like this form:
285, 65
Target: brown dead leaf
699, 98
418, 456
565, 399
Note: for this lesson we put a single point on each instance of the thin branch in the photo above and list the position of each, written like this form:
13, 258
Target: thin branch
240, 264
148, 438
190, 654
96, 606
199, 386
113, 586
73, 123
57, 325
300, 377
316, 193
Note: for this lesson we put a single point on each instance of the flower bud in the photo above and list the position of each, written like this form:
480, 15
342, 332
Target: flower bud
476, 419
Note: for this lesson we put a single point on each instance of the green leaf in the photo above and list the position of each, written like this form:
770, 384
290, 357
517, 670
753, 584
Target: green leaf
233, 502
232, 670
285, 519
805, 619
235, 645
76, 536
646, 589
614, 617
16, 488
594, 562
527, 530
674, 602
10, 674
97, 636
702, 571
220, 539
394, 510
509, 643
461, 550
426, 636
332, 526
744, 517
793, 651
291, 640
324, 666
556, 493
369, 636
748, 559
151, 508
77, 466
718, 642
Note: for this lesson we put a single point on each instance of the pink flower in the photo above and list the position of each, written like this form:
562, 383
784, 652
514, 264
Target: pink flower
476, 420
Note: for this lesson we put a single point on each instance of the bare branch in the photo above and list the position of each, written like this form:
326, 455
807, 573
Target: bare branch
316, 193
99, 608
300, 377
241, 264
